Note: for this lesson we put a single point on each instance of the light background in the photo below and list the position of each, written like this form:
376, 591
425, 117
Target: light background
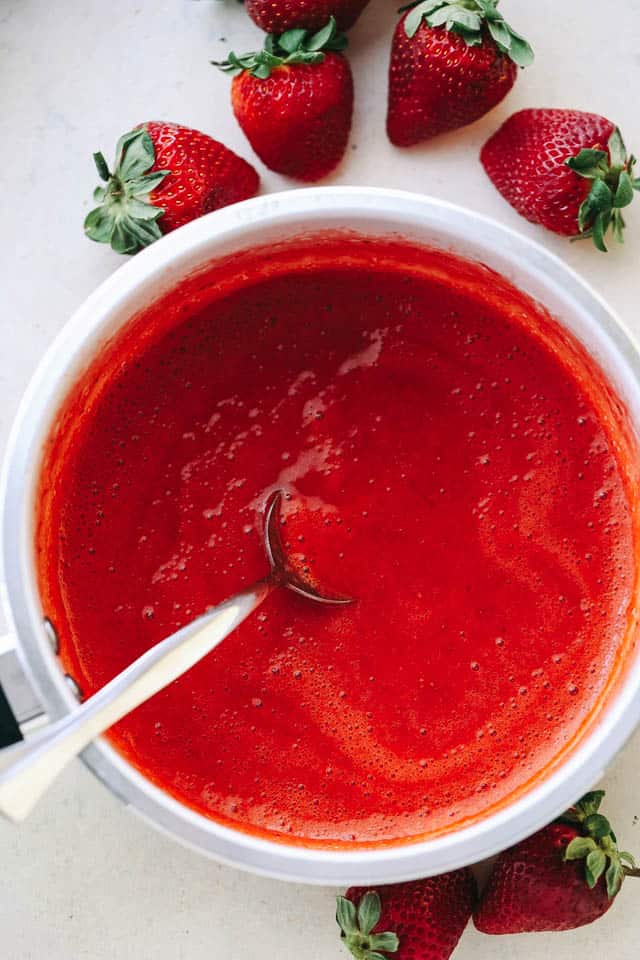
83, 878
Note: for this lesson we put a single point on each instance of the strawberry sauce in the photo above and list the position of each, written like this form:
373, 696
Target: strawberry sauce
449, 456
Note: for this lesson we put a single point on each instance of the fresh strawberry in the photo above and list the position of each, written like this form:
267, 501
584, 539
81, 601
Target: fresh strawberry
164, 176
277, 16
562, 877
564, 169
294, 101
451, 62
422, 920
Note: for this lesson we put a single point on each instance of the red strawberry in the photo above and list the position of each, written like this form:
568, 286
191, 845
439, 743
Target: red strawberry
450, 64
562, 877
165, 175
565, 169
294, 101
276, 16
422, 920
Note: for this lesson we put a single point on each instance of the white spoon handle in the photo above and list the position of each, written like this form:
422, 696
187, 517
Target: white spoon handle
27, 769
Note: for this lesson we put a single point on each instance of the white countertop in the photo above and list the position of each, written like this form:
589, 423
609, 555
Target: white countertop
83, 878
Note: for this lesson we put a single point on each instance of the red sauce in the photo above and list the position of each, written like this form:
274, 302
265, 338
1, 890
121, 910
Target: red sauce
453, 459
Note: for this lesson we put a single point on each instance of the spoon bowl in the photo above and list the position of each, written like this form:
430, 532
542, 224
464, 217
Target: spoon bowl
282, 574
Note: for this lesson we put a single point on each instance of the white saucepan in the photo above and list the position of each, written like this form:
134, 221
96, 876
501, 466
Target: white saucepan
372, 212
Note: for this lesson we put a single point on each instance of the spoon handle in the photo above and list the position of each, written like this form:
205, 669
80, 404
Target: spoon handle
28, 768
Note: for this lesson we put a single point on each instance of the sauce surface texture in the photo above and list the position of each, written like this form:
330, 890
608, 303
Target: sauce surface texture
450, 457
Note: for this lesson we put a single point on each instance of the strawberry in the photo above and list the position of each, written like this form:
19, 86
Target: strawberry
564, 169
164, 176
562, 877
294, 100
277, 16
422, 920
451, 62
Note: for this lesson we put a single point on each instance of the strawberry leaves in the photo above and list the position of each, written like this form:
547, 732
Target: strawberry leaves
588, 805
470, 19
125, 218
597, 847
356, 928
368, 912
293, 47
612, 189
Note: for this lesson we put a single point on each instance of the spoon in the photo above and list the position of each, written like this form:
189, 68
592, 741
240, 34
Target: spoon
27, 769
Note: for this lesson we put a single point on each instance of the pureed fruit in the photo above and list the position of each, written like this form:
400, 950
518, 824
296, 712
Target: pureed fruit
453, 459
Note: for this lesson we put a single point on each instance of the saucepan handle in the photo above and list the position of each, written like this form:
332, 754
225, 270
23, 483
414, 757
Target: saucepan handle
19, 702
9, 727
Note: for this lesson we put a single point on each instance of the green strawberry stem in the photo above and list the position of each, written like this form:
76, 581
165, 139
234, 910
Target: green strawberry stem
124, 217
472, 20
356, 925
293, 47
598, 846
613, 187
